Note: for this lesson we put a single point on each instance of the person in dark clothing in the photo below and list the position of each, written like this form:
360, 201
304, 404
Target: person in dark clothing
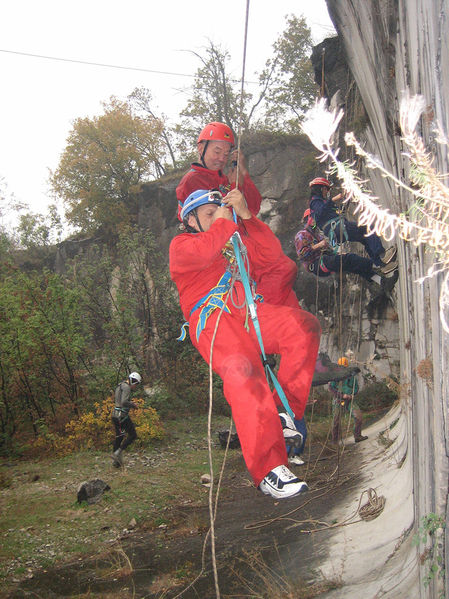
343, 394
339, 229
121, 419
318, 257
295, 453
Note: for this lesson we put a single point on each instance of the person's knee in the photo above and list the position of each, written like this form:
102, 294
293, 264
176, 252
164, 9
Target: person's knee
311, 325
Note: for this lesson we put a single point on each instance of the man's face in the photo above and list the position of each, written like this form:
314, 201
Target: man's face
216, 155
206, 216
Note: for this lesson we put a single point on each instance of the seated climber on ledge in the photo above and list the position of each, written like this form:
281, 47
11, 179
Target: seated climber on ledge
212, 296
339, 229
318, 257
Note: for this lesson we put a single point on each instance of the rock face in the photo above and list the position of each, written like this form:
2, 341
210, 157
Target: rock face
353, 316
392, 46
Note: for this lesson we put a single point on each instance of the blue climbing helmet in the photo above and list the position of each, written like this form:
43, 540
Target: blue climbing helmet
199, 198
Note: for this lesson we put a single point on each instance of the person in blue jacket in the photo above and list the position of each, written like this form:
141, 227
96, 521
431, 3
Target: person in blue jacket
339, 229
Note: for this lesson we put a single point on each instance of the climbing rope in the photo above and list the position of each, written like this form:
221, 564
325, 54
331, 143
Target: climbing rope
370, 510
212, 511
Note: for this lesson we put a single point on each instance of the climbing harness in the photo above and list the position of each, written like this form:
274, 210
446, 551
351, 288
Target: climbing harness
120, 414
334, 239
210, 302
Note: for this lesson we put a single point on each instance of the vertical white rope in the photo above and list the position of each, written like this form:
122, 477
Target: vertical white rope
242, 89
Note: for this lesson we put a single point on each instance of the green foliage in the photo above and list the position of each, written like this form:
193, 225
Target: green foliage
214, 97
286, 88
288, 77
376, 396
37, 231
93, 430
431, 531
41, 341
105, 157
66, 341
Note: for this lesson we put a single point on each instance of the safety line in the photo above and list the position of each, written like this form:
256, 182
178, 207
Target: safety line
213, 514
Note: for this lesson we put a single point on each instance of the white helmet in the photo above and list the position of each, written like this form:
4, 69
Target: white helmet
135, 378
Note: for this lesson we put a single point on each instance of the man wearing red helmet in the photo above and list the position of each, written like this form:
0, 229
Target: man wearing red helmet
215, 147
333, 225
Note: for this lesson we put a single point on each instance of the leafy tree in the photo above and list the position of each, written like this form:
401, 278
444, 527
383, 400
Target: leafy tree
141, 99
214, 96
286, 87
41, 341
34, 231
105, 157
288, 78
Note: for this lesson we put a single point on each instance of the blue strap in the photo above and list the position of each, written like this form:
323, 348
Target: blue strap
183, 334
253, 313
210, 302
331, 234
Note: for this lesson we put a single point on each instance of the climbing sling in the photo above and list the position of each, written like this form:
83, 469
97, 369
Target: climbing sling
236, 241
210, 302
335, 240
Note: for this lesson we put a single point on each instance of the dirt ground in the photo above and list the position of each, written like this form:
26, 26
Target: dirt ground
263, 547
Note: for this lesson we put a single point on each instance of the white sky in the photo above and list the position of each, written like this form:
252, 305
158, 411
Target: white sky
41, 98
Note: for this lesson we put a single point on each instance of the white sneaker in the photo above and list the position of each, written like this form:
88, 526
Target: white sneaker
292, 437
281, 483
295, 459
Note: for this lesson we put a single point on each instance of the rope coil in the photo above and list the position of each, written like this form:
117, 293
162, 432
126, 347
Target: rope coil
373, 507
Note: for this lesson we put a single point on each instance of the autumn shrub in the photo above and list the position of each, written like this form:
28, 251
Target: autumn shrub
94, 430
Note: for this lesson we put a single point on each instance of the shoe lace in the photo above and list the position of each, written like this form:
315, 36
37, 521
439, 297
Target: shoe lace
284, 473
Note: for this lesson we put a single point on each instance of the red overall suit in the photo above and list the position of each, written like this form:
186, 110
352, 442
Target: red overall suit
276, 282
196, 266
200, 177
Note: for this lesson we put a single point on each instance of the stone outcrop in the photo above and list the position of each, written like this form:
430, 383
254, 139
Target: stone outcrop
390, 47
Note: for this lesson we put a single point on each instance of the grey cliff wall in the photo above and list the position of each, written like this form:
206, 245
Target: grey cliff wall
391, 46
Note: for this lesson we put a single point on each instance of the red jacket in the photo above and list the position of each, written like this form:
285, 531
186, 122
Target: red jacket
200, 177
197, 262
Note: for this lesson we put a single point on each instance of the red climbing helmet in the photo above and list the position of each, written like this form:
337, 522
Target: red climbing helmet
216, 132
320, 181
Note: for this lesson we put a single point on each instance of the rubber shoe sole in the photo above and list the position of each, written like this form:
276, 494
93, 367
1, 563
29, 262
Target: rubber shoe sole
292, 437
286, 492
388, 268
390, 254
117, 462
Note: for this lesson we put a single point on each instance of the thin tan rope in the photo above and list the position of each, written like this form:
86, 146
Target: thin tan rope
212, 510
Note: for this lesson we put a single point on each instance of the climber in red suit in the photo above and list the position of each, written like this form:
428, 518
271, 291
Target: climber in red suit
199, 259
215, 148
